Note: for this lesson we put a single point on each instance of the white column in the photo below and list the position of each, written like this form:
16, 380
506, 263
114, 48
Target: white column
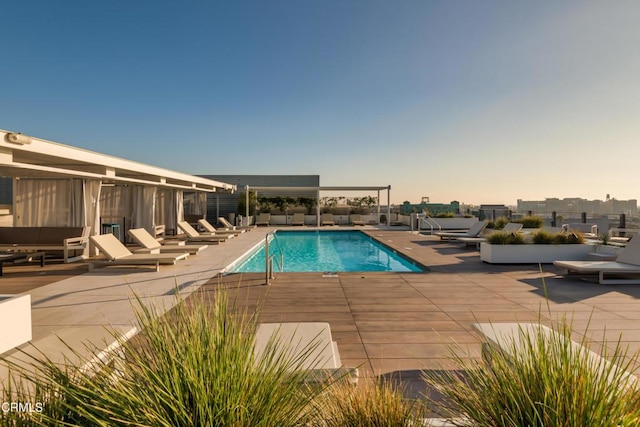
389, 205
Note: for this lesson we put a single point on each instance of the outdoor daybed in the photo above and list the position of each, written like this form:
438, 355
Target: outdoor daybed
68, 240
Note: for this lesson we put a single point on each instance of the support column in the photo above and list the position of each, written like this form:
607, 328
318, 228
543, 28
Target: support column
318, 207
389, 205
378, 207
246, 205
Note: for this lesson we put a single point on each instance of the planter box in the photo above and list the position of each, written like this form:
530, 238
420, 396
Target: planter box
15, 321
529, 253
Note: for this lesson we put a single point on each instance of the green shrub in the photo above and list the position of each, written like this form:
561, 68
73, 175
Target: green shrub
532, 221
194, 366
545, 382
446, 215
505, 238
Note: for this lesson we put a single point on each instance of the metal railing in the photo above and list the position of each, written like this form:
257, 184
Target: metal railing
268, 270
430, 222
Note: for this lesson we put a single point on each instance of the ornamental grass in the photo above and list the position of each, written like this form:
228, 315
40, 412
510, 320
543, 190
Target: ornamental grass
193, 367
545, 382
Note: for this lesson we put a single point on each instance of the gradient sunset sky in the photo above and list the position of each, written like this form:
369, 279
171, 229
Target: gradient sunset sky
475, 101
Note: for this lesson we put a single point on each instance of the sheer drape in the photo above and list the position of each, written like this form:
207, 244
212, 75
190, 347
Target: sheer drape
143, 208
169, 209
42, 202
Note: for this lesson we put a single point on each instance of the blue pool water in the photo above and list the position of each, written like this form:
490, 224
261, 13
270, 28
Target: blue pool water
326, 251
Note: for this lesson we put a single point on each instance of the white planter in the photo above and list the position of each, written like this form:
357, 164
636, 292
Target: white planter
15, 321
530, 253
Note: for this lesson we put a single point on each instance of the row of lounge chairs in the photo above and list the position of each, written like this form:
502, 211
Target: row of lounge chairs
155, 252
297, 219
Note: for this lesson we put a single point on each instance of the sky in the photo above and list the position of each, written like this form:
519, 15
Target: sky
474, 101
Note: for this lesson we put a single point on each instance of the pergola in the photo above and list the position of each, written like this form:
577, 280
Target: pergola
325, 188
56, 179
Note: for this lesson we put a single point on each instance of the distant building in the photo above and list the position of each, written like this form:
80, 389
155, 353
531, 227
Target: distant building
491, 212
577, 205
432, 208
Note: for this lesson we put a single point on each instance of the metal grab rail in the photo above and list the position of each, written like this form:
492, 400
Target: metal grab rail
429, 221
268, 269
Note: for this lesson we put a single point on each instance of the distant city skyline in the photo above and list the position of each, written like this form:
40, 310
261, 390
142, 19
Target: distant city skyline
479, 102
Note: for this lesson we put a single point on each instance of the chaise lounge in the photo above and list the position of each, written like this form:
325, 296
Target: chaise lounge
297, 219
475, 231
210, 229
118, 254
356, 219
624, 270
192, 235
327, 219
151, 245
263, 219
510, 227
228, 226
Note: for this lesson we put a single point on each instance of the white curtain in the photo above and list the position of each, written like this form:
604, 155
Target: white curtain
77, 213
143, 208
92, 209
200, 205
169, 209
178, 205
42, 202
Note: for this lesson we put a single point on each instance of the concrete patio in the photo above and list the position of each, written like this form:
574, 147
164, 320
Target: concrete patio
387, 324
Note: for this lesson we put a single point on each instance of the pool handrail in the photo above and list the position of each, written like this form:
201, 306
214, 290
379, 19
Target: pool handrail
268, 270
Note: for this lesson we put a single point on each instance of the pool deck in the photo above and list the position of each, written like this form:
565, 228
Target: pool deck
387, 324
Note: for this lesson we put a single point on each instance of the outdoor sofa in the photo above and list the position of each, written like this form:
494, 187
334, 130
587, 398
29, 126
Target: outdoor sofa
68, 240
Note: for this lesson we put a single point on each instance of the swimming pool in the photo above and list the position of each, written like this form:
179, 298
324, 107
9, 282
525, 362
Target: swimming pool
326, 251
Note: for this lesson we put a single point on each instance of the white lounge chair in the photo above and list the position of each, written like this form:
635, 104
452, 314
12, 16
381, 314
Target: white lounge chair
588, 230
151, 245
356, 219
192, 234
510, 227
210, 229
118, 254
263, 219
310, 341
228, 226
297, 219
327, 219
474, 231
624, 270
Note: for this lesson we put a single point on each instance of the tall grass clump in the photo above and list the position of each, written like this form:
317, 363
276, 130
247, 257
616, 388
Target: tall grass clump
370, 403
505, 238
531, 221
544, 381
543, 237
193, 367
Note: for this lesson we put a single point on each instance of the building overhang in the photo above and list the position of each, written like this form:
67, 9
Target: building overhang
23, 156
